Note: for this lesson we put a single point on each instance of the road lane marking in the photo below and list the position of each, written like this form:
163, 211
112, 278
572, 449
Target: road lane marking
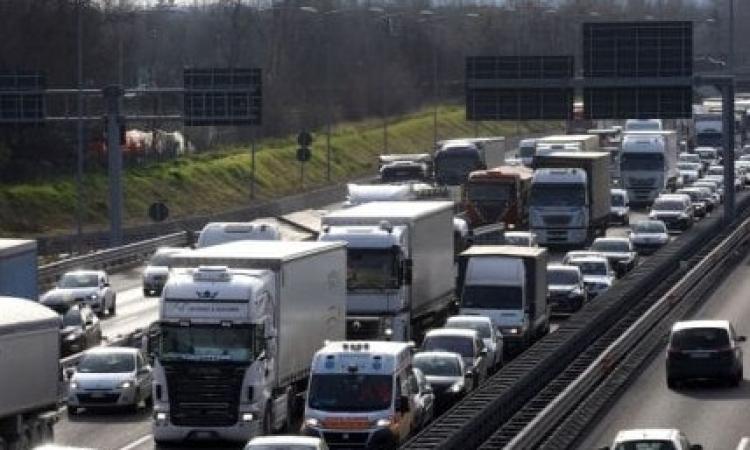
137, 443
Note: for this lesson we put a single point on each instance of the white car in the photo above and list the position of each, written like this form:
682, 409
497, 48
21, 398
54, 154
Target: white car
109, 376
620, 206
689, 158
648, 236
598, 276
675, 210
156, 271
286, 443
520, 238
84, 286
492, 338
652, 438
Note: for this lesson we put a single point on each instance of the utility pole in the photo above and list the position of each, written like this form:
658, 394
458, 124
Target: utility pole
79, 127
112, 95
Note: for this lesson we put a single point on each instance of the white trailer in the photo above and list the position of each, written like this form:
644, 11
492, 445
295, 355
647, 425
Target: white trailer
400, 266
30, 373
237, 333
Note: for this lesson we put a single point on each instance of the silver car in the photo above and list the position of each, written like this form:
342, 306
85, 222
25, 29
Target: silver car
109, 376
156, 271
492, 338
85, 286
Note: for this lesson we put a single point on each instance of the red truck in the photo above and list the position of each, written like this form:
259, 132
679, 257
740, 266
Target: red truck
498, 195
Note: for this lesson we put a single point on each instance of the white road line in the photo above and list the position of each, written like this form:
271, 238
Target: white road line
137, 443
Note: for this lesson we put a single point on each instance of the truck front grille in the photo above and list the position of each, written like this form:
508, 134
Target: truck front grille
345, 440
557, 220
204, 394
641, 182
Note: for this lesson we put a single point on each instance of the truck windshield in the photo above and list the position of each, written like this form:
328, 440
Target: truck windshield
208, 343
490, 192
350, 392
391, 174
491, 297
558, 194
618, 200
453, 167
526, 151
371, 269
79, 280
645, 445
706, 154
642, 161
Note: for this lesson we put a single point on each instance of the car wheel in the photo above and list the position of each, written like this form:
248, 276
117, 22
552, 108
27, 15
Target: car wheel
146, 292
737, 379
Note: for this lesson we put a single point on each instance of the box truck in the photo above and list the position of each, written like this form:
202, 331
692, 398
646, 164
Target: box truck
400, 275
238, 326
570, 199
508, 284
18, 268
648, 164
30, 373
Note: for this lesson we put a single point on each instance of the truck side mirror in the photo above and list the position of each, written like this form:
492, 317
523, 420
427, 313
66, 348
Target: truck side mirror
406, 271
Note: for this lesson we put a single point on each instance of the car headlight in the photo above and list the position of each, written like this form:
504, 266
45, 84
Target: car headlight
312, 422
248, 417
73, 385
73, 336
383, 423
514, 330
126, 384
456, 387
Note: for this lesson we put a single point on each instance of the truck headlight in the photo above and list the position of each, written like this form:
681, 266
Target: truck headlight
161, 417
73, 385
312, 422
456, 387
248, 417
383, 423
514, 330
93, 297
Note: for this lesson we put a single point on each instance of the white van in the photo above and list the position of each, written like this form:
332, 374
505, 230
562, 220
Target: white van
216, 233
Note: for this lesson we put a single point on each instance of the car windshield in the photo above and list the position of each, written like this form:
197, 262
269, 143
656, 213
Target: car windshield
618, 200
438, 366
483, 328
700, 339
694, 196
209, 343
562, 277
611, 246
649, 444
642, 161
280, 447
464, 346
106, 363
687, 166
649, 227
590, 267
79, 280
668, 205
350, 392
642, 126
72, 318
716, 171
490, 192
371, 269
558, 194
491, 297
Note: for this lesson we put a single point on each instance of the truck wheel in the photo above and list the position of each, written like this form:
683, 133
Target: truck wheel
23, 441
268, 420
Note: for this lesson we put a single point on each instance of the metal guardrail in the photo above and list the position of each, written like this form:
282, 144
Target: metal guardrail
110, 259
537, 430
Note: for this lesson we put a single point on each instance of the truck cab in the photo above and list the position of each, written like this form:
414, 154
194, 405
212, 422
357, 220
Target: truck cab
216, 233
648, 165
558, 207
509, 285
363, 394
498, 195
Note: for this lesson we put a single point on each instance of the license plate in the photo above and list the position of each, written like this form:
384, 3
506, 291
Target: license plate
699, 355
97, 395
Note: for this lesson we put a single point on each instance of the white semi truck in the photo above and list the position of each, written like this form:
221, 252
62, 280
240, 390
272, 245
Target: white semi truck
400, 277
570, 198
30, 373
648, 164
508, 284
238, 326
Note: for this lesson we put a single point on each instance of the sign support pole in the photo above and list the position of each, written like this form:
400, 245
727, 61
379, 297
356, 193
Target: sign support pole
112, 96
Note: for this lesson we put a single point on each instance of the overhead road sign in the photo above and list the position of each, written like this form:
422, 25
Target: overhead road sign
637, 70
22, 98
223, 96
519, 87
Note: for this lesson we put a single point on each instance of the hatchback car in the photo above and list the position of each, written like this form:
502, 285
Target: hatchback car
286, 443
598, 277
491, 337
648, 236
80, 328
446, 374
619, 252
110, 376
156, 271
697, 198
619, 210
704, 349
712, 186
85, 286
652, 439
565, 289
675, 210
466, 343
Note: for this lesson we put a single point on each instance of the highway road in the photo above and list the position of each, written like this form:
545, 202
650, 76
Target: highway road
709, 414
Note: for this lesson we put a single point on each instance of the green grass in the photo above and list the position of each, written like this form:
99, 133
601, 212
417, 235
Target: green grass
220, 180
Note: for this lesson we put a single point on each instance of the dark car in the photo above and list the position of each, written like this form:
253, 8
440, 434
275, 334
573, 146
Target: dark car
565, 288
704, 349
466, 343
446, 374
80, 327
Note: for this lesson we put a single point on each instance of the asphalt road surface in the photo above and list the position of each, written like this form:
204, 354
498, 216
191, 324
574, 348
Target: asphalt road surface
709, 414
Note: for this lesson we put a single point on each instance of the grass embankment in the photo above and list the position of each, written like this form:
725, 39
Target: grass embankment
220, 180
